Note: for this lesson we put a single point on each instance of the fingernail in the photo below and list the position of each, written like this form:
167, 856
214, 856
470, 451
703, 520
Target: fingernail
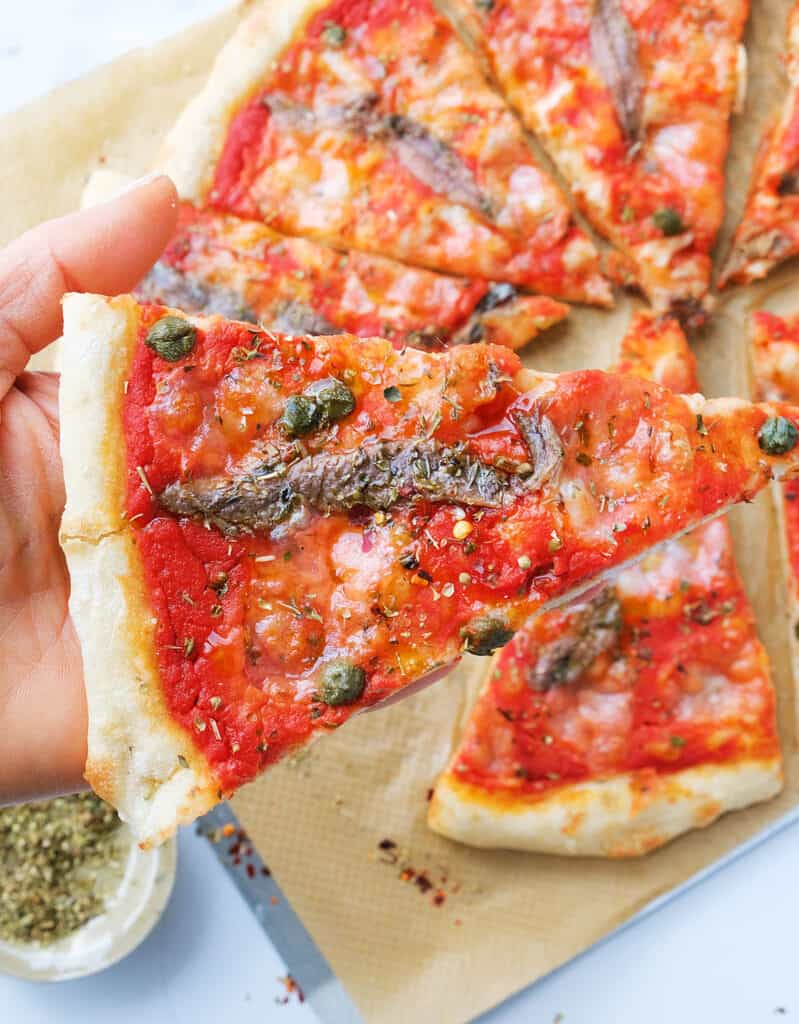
147, 179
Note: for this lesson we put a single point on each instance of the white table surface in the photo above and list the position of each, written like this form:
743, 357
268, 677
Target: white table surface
726, 951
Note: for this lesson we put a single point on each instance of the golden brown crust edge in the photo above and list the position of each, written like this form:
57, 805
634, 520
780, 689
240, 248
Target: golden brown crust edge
615, 817
138, 758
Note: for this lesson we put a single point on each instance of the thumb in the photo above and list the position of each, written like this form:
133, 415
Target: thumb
106, 249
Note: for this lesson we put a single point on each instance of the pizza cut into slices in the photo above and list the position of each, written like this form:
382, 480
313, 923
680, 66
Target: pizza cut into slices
632, 102
610, 725
769, 229
370, 126
218, 263
268, 533
775, 364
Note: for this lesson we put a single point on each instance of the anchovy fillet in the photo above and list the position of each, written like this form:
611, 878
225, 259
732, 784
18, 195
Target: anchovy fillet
169, 287
376, 476
595, 631
427, 157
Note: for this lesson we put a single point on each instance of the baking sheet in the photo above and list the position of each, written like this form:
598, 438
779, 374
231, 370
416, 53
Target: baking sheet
491, 921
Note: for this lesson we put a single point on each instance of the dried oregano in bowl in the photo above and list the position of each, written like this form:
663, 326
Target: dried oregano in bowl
56, 861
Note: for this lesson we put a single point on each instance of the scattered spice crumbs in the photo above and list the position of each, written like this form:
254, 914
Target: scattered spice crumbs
240, 848
292, 987
424, 879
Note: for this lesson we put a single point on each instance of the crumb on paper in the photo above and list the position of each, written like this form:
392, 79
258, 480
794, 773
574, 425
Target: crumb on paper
292, 987
241, 850
427, 880
389, 854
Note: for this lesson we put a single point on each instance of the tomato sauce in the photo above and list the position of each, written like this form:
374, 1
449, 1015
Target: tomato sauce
247, 623
686, 683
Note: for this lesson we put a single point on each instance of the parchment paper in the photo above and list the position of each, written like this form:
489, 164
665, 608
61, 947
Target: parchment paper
502, 919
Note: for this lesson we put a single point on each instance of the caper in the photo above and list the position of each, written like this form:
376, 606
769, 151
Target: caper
484, 635
334, 35
341, 683
300, 416
777, 436
171, 338
668, 220
335, 400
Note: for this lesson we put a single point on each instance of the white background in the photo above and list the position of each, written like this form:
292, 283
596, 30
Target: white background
727, 952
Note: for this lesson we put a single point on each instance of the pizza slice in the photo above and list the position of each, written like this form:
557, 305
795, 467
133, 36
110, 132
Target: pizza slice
268, 533
370, 126
644, 709
769, 229
218, 263
632, 102
775, 363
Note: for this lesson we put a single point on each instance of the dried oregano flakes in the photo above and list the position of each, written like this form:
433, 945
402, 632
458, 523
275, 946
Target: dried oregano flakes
55, 857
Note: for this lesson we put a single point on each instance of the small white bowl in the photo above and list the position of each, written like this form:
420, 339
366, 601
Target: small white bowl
132, 911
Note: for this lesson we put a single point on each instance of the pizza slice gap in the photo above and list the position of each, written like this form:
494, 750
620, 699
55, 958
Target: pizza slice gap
768, 232
775, 366
370, 126
268, 533
644, 709
632, 103
218, 263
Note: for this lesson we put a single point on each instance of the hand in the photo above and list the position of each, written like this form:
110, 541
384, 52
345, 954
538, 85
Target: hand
42, 704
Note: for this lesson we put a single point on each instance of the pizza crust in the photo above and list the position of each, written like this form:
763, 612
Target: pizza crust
760, 386
134, 747
625, 816
791, 583
191, 149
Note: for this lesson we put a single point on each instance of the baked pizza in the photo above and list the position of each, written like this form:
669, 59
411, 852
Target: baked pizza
268, 533
218, 263
632, 101
645, 708
369, 126
775, 362
769, 229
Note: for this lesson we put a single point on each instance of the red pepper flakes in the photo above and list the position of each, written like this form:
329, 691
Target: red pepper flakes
419, 877
251, 871
429, 794
292, 987
423, 883
274, 901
